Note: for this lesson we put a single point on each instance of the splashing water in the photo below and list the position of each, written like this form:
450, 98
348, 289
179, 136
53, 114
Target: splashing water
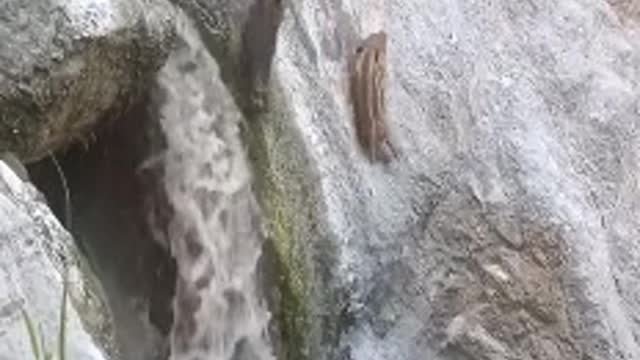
215, 233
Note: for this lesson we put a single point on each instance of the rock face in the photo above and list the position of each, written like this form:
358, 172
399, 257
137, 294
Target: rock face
34, 248
66, 65
241, 35
628, 9
508, 227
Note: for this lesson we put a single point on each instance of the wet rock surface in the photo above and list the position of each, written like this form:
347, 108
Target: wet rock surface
34, 249
65, 65
506, 229
113, 208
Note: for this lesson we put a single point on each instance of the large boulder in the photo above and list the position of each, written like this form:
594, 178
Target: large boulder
68, 65
34, 251
507, 228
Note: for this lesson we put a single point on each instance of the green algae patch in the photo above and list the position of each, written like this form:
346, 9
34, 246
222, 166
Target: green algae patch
289, 292
279, 183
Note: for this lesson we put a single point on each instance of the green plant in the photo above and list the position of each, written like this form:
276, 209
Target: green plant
38, 346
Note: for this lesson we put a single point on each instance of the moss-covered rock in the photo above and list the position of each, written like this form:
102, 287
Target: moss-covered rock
279, 183
308, 307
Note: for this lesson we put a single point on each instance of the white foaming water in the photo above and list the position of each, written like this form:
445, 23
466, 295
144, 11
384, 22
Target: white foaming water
215, 233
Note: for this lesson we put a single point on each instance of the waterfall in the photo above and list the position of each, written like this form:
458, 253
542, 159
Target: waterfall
215, 232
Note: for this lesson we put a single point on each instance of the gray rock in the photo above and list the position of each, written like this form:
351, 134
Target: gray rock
242, 36
628, 9
11, 160
67, 65
34, 249
507, 229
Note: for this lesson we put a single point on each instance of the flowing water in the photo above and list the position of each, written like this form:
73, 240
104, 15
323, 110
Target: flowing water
215, 233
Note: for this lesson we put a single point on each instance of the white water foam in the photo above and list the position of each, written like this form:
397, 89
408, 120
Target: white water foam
215, 234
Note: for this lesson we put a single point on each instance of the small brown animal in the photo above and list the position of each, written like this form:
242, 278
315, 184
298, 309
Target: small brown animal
367, 68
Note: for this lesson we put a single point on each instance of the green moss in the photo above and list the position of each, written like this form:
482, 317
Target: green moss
282, 188
291, 310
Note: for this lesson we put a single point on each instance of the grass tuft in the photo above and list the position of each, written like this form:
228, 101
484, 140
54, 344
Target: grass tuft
39, 349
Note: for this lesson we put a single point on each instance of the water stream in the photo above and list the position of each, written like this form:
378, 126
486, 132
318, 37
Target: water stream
215, 233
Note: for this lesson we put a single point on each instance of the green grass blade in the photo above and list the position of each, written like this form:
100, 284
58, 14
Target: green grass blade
63, 318
33, 337
46, 355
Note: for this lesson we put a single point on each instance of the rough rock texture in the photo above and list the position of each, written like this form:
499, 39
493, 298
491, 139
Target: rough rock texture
241, 35
34, 249
65, 65
66, 69
505, 231
628, 9
508, 228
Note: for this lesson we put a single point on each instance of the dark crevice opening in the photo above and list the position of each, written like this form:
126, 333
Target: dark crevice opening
110, 203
